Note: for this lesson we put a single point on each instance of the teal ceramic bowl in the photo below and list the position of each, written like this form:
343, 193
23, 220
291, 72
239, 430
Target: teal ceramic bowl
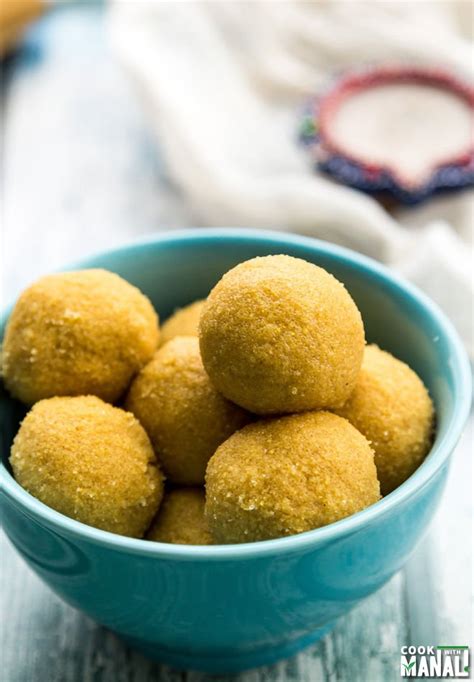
228, 608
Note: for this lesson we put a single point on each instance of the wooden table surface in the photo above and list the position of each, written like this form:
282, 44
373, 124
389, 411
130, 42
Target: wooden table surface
80, 174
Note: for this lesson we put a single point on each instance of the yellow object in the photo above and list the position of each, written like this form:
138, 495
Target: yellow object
15, 15
184, 322
180, 519
184, 415
392, 408
279, 334
287, 475
78, 333
90, 461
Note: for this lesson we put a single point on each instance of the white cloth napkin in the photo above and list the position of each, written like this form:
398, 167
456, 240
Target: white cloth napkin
224, 83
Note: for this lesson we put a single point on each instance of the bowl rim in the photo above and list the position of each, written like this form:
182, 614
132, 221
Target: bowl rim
440, 452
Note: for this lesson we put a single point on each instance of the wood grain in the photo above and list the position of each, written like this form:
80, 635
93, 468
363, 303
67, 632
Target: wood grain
81, 174
47, 640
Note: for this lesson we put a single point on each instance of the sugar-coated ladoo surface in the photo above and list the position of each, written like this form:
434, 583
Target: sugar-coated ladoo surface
90, 461
281, 335
180, 519
78, 333
287, 475
184, 322
392, 408
184, 415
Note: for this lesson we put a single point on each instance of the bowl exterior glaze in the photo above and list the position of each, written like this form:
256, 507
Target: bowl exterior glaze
222, 609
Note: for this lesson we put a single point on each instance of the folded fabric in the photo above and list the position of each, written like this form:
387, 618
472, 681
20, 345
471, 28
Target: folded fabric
224, 84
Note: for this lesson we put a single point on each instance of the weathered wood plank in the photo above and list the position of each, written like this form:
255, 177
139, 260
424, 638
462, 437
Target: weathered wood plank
46, 639
82, 174
439, 575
